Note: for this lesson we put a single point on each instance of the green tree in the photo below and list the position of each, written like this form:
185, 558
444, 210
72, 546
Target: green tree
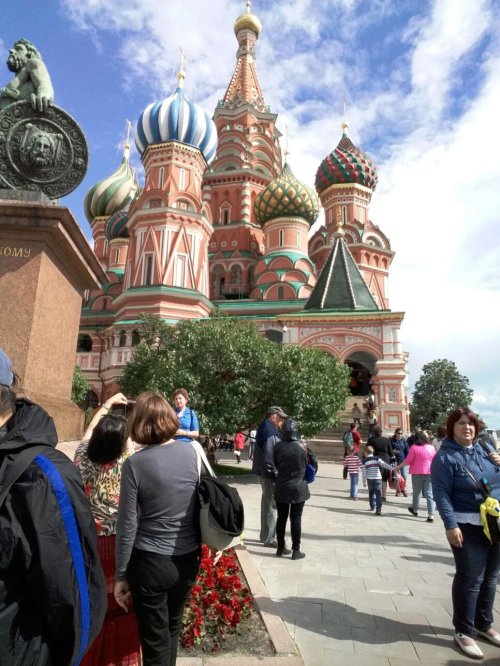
80, 387
312, 385
234, 374
440, 389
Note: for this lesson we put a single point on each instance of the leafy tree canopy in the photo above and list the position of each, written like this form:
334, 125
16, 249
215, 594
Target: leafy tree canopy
440, 389
80, 387
233, 374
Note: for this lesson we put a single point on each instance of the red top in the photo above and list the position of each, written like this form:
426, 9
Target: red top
356, 440
239, 441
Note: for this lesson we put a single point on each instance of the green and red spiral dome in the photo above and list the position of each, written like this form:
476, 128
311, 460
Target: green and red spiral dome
285, 196
346, 164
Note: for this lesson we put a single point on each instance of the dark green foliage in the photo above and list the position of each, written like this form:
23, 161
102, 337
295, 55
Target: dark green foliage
233, 374
80, 387
312, 387
440, 389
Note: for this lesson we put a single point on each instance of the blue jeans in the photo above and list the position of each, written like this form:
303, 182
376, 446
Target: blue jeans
404, 472
354, 484
267, 511
375, 493
474, 586
422, 483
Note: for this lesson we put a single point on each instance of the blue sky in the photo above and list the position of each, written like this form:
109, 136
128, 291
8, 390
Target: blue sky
420, 80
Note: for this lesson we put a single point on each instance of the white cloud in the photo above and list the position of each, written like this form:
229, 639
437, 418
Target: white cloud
455, 27
438, 198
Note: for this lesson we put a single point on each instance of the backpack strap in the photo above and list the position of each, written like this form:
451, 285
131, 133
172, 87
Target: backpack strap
22, 462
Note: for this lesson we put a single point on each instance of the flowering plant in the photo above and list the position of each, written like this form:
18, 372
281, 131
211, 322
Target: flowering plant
218, 602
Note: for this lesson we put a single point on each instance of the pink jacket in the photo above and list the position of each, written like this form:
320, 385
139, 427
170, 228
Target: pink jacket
419, 458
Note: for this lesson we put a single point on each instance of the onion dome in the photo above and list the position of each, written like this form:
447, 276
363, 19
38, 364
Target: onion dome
248, 21
113, 193
346, 164
177, 119
116, 226
285, 196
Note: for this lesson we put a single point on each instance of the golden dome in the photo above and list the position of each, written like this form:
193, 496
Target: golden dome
247, 21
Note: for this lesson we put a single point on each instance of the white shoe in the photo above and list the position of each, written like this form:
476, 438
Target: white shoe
492, 638
472, 650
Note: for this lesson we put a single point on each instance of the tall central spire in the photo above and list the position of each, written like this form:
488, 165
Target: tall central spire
244, 87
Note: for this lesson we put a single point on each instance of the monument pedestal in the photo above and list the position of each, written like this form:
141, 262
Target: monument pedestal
46, 265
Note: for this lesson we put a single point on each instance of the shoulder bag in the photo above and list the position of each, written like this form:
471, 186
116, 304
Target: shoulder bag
222, 517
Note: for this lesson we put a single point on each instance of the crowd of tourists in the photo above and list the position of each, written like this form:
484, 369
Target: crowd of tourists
98, 557
458, 471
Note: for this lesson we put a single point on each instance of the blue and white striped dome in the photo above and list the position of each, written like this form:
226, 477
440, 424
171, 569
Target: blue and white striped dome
177, 119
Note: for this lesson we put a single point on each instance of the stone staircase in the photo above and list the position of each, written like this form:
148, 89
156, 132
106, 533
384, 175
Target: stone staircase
328, 445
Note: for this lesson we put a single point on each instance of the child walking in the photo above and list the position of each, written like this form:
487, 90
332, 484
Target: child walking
373, 477
353, 464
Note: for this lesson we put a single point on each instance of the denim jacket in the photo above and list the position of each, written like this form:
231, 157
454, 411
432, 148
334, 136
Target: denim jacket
453, 488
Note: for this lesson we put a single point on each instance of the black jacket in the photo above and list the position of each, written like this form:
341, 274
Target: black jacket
290, 460
265, 440
52, 588
382, 448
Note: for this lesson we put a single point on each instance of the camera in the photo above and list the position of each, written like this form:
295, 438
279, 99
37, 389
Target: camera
123, 410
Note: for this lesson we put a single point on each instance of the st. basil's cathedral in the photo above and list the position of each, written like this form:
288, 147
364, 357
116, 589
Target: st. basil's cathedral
222, 222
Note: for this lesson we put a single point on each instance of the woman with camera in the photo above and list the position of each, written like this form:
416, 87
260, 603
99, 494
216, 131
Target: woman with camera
462, 472
99, 459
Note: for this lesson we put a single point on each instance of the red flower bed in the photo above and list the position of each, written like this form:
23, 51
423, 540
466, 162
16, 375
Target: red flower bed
219, 602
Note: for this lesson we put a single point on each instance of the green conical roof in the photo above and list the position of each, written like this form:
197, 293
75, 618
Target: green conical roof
285, 196
341, 285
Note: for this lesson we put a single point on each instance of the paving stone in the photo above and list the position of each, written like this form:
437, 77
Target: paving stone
383, 644
338, 638
369, 600
400, 613
336, 658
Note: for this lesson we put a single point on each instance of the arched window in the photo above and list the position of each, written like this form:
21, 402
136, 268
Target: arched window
182, 179
136, 338
236, 274
274, 336
123, 338
281, 238
344, 214
251, 275
160, 178
225, 214
148, 273
218, 281
281, 293
84, 343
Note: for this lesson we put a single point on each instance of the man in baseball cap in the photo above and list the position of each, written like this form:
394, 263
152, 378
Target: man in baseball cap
268, 433
276, 410
6, 373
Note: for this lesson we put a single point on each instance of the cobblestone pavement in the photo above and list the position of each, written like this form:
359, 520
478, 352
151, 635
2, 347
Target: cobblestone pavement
372, 590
